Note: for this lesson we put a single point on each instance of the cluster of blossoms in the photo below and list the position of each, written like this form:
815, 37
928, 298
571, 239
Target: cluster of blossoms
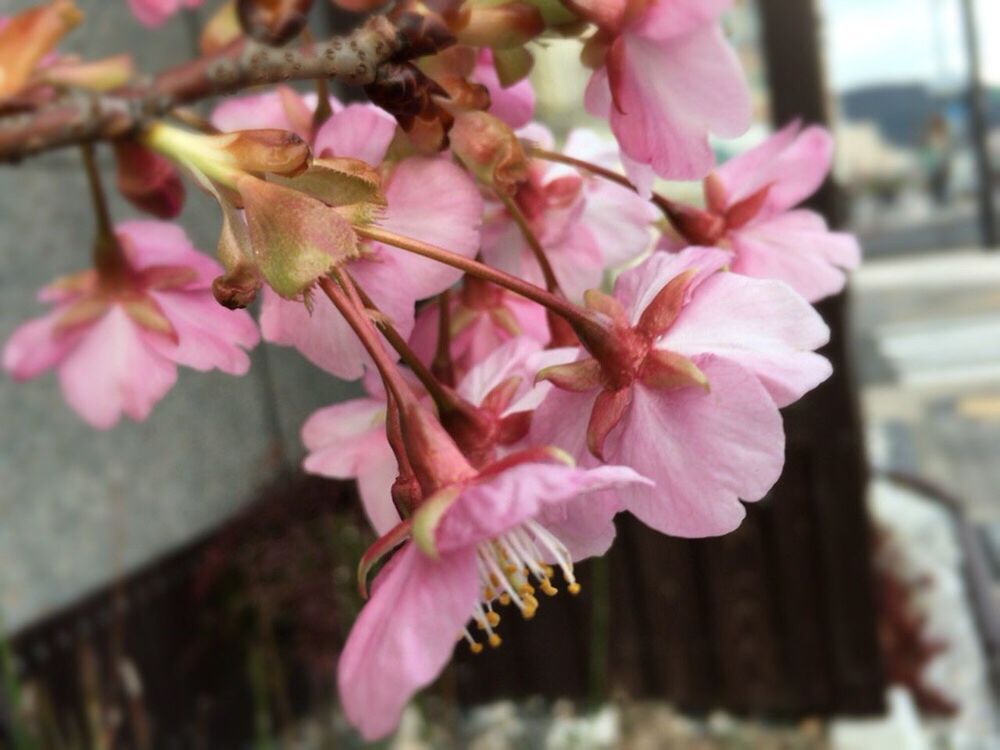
545, 342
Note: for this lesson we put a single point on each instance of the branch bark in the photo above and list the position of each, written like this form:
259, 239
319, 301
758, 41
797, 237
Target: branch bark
78, 118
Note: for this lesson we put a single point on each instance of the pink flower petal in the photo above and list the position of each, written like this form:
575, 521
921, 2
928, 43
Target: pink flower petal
762, 325
639, 286
663, 120
419, 190
35, 347
793, 164
114, 369
670, 20
209, 336
261, 111
404, 635
499, 503
515, 105
705, 451
347, 441
163, 243
153, 12
359, 131
797, 248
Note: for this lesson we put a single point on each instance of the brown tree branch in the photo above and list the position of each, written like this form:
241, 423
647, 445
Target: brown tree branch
79, 117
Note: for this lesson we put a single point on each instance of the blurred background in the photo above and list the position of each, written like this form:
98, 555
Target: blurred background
179, 584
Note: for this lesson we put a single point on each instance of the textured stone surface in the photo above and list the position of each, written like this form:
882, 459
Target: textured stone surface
77, 507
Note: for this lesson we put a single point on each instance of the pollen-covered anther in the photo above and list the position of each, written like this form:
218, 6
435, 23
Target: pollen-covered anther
515, 566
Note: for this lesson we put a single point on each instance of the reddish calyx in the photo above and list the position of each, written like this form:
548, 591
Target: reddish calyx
709, 226
623, 354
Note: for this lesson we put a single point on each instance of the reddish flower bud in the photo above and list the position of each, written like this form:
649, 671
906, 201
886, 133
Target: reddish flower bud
148, 181
99, 75
273, 151
490, 150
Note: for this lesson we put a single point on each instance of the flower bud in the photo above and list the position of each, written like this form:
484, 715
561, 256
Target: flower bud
512, 24
273, 22
148, 181
489, 149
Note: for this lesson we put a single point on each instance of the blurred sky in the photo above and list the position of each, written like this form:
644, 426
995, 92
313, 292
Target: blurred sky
873, 41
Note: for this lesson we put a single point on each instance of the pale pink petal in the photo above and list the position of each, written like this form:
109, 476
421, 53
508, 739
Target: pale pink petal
797, 248
501, 502
419, 190
113, 370
619, 221
586, 529
792, 169
677, 18
404, 635
663, 120
35, 346
359, 131
153, 12
209, 336
705, 451
576, 260
507, 361
762, 325
163, 243
321, 335
639, 286
347, 441
515, 105
258, 111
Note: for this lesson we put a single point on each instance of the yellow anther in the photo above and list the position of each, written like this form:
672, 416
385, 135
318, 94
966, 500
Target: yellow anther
476, 648
549, 572
547, 588
488, 594
528, 612
526, 589
480, 625
493, 619
505, 598
495, 640
573, 588
494, 581
509, 569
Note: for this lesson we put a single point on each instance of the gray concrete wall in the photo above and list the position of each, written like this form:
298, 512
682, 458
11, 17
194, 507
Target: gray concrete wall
78, 507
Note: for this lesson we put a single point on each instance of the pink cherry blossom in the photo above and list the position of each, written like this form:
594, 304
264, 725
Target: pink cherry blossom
425, 597
155, 12
116, 343
515, 105
669, 78
348, 440
482, 317
756, 193
699, 363
584, 225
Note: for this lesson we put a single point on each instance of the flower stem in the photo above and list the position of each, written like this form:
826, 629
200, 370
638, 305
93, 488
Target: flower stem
109, 258
551, 283
576, 316
365, 331
442, 398
443, 367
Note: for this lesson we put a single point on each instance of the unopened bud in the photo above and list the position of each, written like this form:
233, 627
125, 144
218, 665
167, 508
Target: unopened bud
237, 288
270, 150
148, 181
422, 31
273, 22
512, 24
489, 149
